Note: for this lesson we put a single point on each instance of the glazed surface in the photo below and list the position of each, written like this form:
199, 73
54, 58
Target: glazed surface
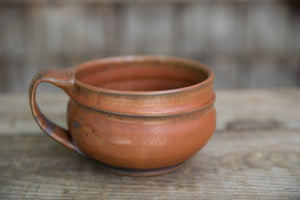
133, 112
141, 113
139, 141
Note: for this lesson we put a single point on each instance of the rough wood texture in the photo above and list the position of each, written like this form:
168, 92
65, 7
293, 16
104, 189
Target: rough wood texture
254, 154
252, 164
249, 44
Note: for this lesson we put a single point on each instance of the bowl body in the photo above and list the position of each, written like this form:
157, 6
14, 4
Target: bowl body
141, 112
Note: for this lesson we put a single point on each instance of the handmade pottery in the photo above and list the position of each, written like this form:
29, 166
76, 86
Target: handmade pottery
137, 115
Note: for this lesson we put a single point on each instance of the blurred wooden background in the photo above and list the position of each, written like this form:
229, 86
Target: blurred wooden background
249, 43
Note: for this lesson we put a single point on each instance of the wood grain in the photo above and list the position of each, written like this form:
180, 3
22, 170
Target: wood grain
254, 154
9, 2
233, 165
249, 44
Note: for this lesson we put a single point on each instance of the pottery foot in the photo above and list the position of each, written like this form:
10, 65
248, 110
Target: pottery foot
141, 172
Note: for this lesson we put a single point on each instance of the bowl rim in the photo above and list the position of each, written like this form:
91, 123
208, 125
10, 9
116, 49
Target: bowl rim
144, 58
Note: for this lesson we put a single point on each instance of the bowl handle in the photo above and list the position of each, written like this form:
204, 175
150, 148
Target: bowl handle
63, 80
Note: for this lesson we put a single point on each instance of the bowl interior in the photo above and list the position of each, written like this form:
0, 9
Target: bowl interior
145, 75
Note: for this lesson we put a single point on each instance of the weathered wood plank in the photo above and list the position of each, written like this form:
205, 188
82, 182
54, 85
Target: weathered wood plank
12, 46
25, 2
233, 165
249, 44
152, 22
261, 106
254, 154
255, 109
268, 24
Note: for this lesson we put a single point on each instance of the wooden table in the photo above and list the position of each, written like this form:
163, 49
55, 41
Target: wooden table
254, 154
